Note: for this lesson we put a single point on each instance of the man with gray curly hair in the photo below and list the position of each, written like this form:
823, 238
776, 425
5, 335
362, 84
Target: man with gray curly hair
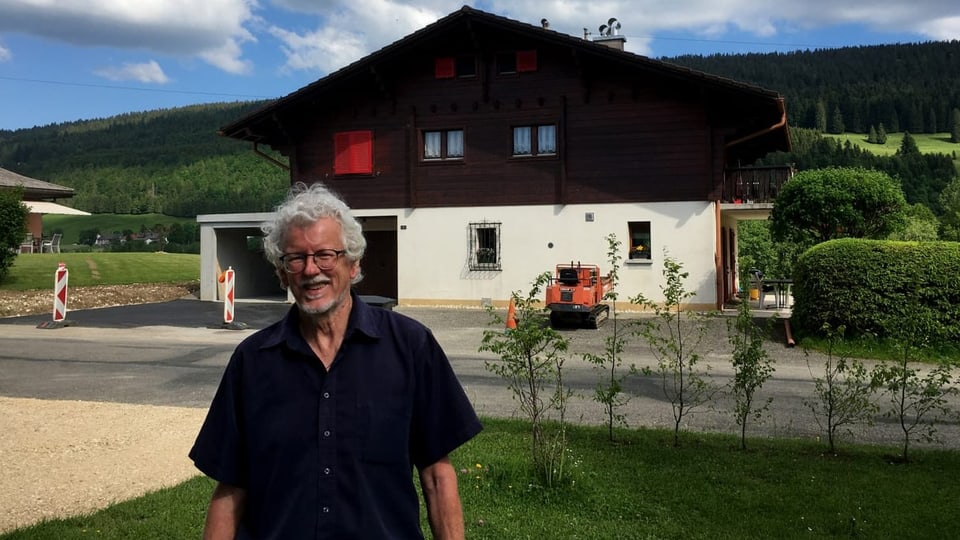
321, 417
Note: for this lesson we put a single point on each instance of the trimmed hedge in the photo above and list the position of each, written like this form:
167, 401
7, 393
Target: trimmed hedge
873, 287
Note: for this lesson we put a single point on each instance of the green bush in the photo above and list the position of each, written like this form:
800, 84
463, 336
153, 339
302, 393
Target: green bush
13, 224
868, 285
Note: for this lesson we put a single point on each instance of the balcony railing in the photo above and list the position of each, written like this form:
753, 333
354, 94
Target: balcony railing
755, 184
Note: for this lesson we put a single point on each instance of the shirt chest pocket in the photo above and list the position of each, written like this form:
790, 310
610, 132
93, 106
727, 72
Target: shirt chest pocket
384, 428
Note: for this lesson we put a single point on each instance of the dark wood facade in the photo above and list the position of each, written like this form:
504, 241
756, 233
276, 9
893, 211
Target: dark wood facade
628, 128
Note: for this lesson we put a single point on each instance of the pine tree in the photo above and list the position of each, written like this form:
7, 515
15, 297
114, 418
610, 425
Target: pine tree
908, 147
836, 122
955, 127
872, 136
881, 134
820, 119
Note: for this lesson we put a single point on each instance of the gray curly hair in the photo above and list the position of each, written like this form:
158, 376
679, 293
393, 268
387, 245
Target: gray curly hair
304, 206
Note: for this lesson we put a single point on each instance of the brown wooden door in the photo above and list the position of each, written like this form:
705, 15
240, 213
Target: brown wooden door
379, 265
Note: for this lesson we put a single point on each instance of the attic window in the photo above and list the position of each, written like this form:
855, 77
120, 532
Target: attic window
516, 62
526, 61
450, 67
353, 152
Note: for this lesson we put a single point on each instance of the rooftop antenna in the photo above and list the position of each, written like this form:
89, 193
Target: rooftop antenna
544, 23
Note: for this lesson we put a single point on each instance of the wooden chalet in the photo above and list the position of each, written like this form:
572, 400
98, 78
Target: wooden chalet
481, 151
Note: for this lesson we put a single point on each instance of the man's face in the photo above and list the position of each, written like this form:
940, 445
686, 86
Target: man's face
318, 291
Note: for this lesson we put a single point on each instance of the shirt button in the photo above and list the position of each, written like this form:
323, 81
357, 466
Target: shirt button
326, 433
326, 509
326, 471
326, 395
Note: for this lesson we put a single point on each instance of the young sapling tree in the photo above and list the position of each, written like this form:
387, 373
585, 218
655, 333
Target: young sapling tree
675, 336
752, 367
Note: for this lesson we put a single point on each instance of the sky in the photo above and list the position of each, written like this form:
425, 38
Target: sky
68, 60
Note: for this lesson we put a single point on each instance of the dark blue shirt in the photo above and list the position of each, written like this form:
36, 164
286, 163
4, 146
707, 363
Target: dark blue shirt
329, 454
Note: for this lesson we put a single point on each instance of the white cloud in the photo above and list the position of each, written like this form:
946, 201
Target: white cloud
934, 19
147, 72
942, 29
5, 54
209, 29
350, 30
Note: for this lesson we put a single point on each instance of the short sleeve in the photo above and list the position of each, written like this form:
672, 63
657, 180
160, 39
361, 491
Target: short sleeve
218, 450
444, 418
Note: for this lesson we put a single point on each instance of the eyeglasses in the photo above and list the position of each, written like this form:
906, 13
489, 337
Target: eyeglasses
324, 259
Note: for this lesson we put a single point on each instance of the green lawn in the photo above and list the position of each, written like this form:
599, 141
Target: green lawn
638, 487
36, 270
928, 143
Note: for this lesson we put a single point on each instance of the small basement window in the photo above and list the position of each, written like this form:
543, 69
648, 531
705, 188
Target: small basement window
484, 246
640, 246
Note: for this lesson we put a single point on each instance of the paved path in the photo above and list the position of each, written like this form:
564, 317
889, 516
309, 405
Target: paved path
174, 353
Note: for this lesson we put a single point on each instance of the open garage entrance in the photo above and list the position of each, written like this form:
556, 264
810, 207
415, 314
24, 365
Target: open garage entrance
233, 241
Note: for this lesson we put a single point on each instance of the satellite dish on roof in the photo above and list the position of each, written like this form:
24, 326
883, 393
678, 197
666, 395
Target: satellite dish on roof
611, 28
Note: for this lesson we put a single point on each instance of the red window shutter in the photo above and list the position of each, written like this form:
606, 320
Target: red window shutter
526, 61
445, 68
353, 152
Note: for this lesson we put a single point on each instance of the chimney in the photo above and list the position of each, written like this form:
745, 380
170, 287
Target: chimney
609, 35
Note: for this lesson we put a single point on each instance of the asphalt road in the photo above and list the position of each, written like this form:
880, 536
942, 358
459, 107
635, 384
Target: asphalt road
174, 353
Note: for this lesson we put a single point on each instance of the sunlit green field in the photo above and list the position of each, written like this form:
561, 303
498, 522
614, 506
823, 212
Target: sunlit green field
928, 143
36, 270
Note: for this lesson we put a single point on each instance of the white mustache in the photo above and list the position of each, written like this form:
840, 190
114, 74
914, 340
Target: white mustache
319, 280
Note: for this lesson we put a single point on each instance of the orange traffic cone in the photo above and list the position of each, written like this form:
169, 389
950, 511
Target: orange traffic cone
511, 316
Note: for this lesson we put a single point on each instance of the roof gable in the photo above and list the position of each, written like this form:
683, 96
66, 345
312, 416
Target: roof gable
752, 115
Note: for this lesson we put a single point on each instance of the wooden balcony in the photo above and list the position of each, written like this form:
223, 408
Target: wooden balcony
755, 185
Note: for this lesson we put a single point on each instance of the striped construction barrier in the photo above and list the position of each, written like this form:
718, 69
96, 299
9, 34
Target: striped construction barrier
60, 293
229, 299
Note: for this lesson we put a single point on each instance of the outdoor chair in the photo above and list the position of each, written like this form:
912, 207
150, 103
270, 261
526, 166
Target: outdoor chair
27, 245
52, 245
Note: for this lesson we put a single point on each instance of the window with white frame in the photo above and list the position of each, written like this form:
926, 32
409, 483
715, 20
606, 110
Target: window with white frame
538, 140
640, 245
484, 246
443, 144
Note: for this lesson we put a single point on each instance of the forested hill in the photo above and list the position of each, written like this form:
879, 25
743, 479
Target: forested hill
906, 87
167, 161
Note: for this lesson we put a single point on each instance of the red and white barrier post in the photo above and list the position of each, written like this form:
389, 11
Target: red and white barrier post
228, 295
60, 293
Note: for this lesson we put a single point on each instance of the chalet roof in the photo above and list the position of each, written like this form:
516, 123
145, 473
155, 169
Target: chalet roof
33, 189
765, 126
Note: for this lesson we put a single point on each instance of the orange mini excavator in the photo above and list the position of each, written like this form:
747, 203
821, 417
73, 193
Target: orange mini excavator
575, 296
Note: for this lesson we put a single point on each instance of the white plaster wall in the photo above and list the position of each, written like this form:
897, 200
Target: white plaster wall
433, 249
434, 244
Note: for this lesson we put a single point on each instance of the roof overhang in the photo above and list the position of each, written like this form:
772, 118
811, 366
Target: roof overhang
47, 207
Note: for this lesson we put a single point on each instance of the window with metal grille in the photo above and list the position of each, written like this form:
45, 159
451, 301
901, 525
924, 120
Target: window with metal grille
484, 246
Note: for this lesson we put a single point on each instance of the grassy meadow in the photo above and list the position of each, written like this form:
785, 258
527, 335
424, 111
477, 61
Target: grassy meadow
928, 143
638, 487
36, 270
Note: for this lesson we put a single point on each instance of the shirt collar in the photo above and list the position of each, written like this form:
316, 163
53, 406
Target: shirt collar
361, 323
